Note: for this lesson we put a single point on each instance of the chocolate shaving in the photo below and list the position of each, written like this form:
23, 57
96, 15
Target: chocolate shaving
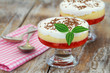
80, 7
96, 4
86, 2
69, 22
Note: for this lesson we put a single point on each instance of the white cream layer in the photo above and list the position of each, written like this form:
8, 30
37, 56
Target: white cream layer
55, 33
69, 8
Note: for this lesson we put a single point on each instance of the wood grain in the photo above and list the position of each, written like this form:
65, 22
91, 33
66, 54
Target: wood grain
95, 57
18, 14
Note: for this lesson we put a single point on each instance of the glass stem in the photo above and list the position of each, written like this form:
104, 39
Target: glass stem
63, 52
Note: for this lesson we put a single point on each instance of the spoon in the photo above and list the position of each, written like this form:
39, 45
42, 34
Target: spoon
20, 38
27, 47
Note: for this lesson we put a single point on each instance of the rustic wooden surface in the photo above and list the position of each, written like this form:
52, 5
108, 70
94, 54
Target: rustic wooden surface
95, 57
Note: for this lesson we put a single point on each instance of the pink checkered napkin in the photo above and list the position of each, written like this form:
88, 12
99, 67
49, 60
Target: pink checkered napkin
11, 57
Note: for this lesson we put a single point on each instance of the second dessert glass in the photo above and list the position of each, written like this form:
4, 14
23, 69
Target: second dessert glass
63, 33
93, 11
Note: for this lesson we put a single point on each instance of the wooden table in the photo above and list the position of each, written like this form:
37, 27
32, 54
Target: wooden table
95, 58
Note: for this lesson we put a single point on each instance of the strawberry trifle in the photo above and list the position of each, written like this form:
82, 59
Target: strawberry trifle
50, 36
63, 33
93, 11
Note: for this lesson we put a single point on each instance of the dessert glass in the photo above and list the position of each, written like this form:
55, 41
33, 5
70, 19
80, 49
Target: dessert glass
63, 57
93, 11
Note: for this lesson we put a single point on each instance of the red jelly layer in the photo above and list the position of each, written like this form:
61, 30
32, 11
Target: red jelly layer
94, 21
63, 45
63, 64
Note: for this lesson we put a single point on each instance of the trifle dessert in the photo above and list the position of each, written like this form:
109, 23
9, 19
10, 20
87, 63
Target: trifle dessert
93, 11
63, 33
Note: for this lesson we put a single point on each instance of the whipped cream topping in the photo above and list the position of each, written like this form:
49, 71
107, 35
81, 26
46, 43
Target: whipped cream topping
46, 27
81, 7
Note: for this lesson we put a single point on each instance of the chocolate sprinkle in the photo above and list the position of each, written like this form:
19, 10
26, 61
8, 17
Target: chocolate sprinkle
86, 3
69, 22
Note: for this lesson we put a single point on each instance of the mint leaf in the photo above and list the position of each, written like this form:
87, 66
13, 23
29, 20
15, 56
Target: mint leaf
69, 37
61, 27
78, 29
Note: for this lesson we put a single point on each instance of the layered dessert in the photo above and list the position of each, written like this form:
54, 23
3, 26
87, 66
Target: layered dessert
93, 11
50, 36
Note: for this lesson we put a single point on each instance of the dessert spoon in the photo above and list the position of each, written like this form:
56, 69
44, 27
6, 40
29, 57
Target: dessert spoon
20, 38
27, 47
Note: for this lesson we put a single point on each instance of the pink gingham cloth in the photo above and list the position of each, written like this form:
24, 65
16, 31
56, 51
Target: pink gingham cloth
11, 57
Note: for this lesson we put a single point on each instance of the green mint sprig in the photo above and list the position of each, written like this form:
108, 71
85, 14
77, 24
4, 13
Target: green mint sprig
70, 35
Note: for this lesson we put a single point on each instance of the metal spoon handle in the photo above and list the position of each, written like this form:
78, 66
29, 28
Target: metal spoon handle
30, 30
29, 36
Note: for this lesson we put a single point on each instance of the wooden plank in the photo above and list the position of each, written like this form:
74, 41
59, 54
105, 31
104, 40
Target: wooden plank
44, 10
21, 10
5, 17
101, 61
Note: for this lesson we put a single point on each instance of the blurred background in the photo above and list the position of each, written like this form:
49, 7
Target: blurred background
20, 9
